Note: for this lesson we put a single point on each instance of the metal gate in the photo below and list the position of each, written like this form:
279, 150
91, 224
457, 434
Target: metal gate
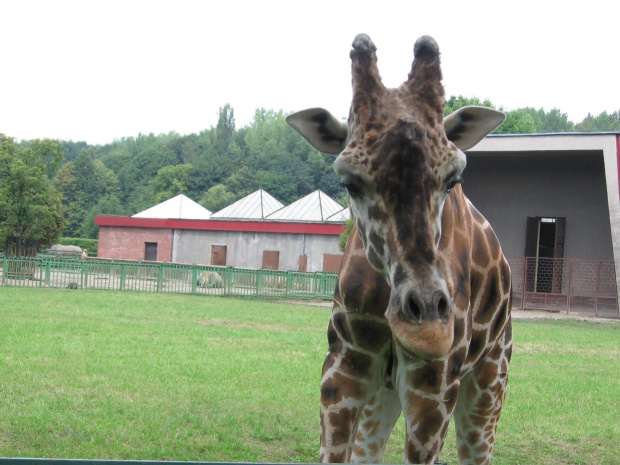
569, 285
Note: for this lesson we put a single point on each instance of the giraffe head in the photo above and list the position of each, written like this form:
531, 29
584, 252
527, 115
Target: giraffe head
398, 159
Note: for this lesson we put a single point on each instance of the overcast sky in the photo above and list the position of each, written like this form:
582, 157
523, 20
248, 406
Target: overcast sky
102, 70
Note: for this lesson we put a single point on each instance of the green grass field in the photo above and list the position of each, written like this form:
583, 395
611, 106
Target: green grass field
110, 375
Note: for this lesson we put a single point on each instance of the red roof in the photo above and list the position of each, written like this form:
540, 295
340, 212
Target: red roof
222, 225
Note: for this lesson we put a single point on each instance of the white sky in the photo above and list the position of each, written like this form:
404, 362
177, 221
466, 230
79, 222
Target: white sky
102, 70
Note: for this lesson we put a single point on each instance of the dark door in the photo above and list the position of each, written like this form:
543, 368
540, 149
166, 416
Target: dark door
218, 255
150, 251
303, 263
332, 263
271, 259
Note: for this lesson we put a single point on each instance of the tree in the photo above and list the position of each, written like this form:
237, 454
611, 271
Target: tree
171, 181
454, 103
217, 197
225, 129
30, 208
65, 183
601, 123
108, 205
518, 122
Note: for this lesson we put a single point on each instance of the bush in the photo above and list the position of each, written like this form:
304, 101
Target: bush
90, 244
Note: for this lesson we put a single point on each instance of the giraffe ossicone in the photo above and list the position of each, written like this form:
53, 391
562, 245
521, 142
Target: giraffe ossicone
421, 318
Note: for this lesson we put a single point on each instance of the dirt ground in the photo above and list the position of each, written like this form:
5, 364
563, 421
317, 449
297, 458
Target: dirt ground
517, 314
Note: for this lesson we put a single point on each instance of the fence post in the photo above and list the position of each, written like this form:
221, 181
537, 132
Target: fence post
523, 286
160, 277
228, 281
84, 270
121, 286
48, 271
598, 287
570, 286
194, 278
289, 279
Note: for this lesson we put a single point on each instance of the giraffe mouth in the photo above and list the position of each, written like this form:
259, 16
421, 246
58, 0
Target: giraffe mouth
428, 340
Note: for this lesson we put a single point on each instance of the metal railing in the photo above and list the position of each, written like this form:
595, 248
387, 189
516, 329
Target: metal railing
164, 277
554, 284
569, 285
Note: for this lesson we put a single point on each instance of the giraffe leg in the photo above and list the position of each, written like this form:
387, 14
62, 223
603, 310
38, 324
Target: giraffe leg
353, 372
376, 425
428, 403
480, 402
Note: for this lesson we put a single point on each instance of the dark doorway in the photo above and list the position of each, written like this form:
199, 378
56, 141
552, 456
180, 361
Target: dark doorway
150, 251
544, 249
218, 255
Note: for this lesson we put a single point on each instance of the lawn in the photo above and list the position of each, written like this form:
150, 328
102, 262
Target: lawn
112, 375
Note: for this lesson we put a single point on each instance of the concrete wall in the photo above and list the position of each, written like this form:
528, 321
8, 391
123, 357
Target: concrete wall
245, 249
509, 187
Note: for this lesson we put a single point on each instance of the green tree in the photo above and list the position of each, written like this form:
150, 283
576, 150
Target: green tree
171, 181
602, 123
242, 182
30, 208
456, 102
216, 198
65, 183
107, 205
518, 122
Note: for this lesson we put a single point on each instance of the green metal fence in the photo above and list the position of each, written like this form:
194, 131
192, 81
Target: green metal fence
164, 277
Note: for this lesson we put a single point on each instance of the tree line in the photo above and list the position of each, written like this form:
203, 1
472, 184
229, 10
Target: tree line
50, 187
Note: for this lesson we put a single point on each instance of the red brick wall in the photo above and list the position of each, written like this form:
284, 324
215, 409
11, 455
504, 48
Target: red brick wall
128, 243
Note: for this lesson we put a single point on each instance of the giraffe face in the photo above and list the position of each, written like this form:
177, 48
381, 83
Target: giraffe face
398, 168
399, 159
397, 187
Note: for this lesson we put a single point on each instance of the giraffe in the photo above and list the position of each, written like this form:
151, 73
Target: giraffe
421, 321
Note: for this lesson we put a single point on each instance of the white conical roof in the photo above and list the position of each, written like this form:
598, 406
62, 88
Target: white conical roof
257, 205
179, 207
317, 206
339, 217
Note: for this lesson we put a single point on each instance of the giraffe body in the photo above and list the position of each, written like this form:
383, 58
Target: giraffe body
421, 317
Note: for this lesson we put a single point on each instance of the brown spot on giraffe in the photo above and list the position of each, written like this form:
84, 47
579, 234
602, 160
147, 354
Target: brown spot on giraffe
423, 300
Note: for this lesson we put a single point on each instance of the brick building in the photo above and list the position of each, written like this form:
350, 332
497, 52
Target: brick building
254, 232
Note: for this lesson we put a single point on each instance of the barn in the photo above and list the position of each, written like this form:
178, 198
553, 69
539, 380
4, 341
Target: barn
257, 231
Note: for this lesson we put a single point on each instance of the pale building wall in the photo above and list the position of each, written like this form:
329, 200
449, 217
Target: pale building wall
245, 249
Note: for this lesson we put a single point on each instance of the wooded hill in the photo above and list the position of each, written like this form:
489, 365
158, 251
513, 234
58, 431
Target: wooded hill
214, 167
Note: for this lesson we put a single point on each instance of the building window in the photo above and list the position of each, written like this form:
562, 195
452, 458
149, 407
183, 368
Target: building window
150, 251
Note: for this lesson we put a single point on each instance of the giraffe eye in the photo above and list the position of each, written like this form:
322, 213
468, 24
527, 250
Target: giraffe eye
354, 189
453, 182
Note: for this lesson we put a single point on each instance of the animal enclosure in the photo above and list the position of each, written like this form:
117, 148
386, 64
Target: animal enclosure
571, 286
165, 277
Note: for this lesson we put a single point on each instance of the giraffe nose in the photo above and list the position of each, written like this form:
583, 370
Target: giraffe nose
417, 307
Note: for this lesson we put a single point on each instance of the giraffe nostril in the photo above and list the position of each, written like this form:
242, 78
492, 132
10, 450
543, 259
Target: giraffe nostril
442, 304
413, 309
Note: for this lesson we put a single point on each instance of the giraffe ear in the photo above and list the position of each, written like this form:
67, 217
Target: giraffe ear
469, 125
321, 129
